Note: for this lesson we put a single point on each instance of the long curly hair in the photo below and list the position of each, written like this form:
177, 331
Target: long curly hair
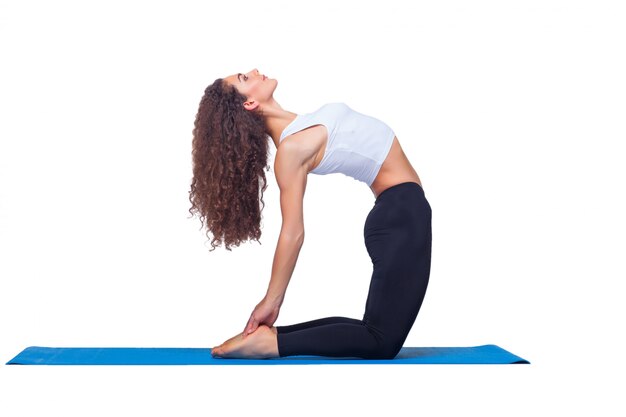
230, 150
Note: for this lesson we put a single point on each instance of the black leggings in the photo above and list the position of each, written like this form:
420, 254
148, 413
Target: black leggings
398, 238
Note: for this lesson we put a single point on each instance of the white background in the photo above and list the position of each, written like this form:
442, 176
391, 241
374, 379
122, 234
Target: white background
510, 111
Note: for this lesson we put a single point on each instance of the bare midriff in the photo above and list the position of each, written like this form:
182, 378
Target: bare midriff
396, 169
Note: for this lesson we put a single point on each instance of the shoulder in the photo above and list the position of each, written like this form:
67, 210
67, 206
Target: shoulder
301, 147
291, 155
291, 176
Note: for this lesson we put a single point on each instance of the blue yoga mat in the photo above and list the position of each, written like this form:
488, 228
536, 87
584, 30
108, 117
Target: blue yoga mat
35, 355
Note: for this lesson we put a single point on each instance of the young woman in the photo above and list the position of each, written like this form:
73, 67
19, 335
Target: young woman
230, 150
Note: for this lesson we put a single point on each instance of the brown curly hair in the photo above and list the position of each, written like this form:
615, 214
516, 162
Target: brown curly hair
230, 151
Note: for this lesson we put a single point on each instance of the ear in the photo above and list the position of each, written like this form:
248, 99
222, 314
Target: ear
251, 105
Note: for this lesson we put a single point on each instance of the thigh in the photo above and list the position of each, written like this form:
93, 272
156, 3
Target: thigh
398, 237
396, 292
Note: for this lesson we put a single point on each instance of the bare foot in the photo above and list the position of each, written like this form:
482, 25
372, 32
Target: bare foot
260, 344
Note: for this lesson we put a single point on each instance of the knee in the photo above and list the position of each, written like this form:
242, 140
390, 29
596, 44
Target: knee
386, 349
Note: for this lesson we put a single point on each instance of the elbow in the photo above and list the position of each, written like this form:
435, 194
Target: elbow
295, 236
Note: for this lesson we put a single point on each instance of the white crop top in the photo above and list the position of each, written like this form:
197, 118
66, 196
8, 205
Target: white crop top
357, 144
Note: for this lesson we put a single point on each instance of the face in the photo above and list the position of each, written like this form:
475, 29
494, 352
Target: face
254, 85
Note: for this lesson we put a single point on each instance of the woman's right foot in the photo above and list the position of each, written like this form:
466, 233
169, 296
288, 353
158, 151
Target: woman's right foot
260, 344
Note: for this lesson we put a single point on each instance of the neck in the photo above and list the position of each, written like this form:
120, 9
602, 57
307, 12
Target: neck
276, 119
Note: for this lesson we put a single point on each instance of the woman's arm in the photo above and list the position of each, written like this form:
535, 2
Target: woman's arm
291, 176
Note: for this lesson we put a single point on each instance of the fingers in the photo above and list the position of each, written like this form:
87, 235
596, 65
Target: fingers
252, 327
249, 327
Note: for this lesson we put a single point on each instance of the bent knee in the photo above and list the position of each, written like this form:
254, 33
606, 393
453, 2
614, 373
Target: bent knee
385, 350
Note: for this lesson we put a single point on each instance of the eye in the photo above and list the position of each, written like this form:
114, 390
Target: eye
245, 78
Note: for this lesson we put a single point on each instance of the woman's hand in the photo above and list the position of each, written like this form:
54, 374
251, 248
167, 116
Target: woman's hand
266, 312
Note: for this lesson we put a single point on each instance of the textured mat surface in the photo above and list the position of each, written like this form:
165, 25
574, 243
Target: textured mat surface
36, 355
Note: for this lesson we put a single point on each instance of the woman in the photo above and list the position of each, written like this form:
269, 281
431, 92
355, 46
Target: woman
230, 149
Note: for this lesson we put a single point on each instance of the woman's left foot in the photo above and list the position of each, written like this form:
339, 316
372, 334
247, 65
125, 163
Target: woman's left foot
261, 344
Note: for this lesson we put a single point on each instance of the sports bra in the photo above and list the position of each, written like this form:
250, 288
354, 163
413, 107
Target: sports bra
357, 144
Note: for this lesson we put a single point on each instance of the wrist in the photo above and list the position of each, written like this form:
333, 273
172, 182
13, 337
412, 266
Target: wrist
275, 299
